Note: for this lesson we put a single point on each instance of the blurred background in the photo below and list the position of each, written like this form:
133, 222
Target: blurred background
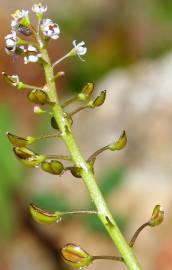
129, 54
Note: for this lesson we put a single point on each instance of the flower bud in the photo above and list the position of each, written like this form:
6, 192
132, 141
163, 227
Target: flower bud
28, 157
86, 92
44, 217
157, 216
19, 141
52, 166
75, 256
98, 101
76, 172
38, 96
120, 144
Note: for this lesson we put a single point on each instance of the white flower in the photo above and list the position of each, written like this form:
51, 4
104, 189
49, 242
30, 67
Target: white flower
17, 16
11, 41
79, 48
32, 55
39, 8
50, 29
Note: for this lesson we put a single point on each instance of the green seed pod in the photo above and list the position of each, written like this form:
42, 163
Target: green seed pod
98, 101
44, 217
76, 172
120, 144
52, 166
75, 256
28, 157
38, 97
86, 92
19, 141
54, 123
157, 216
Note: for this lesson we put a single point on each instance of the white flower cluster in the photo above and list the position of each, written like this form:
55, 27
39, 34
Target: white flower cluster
50, 30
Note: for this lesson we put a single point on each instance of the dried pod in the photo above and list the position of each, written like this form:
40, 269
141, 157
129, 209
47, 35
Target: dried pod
28, 157
76, 172
75, 256
52, 166
19, 141
44, 217
98, 101
157, 216
86, 92
120, 144
38, 96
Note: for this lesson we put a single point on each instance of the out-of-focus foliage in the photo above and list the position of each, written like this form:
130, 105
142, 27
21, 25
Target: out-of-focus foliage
12, 174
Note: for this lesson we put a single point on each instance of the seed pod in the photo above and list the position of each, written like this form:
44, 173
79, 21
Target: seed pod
38, 96
19, 141
28, 157
54, 123
44, 217
98, 101
120, 144
157, 216
24, 30
76, 172
86, 92
75, 256
52, 166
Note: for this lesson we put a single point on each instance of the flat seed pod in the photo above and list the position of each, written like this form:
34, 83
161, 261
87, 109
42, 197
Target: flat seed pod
52, 166
54, 123
17, 141
86, 92
44, 217
24, 30
75, 256
157, 216
76, 172
100, 99
28, 157
120, 143
38, 97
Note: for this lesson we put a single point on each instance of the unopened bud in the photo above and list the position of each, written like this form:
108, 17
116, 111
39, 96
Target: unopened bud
75, 256
98, 101
157, 216
28, 157
19, 141
38, 96
44, 217
86, 92
52, 166
120, 143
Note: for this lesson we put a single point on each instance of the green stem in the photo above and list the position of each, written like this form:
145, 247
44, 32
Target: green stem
69, 101
104, 257
86, 172
63, 157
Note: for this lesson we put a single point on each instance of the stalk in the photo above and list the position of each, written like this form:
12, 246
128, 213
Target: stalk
88, 177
